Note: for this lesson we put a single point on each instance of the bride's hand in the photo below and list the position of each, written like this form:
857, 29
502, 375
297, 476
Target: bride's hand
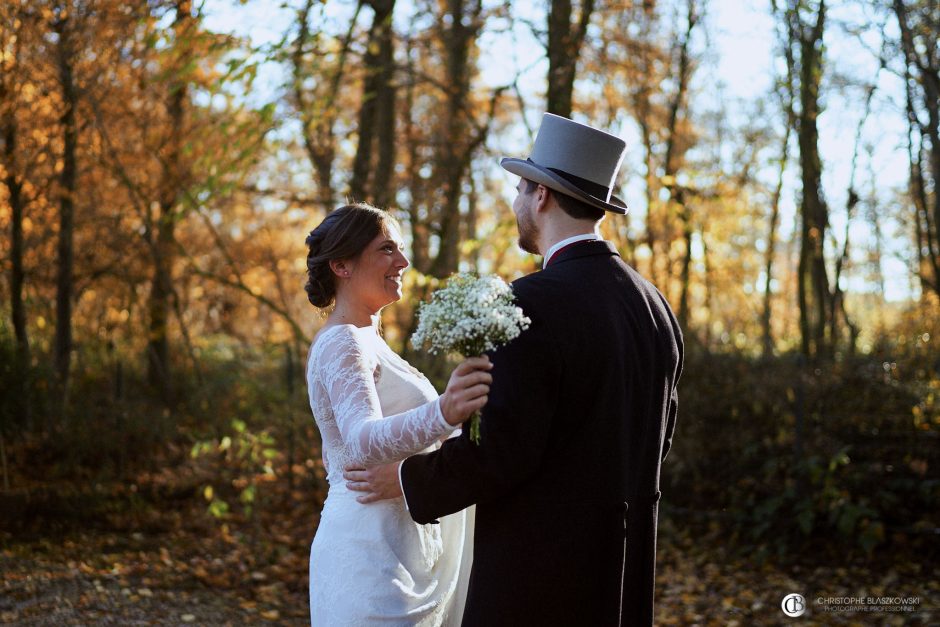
467, 389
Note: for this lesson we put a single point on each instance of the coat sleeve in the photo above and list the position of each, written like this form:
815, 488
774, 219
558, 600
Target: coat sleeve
672, 410
671, 414
514, 430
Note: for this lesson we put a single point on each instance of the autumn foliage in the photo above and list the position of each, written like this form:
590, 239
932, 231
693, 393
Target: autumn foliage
156, 190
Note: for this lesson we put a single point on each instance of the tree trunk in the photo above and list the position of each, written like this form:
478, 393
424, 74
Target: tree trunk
377, 111
803, 289
767, 342
13, 179
455, 143
564, 48
17, 272
644, 116
158, 346
787, 98
161, 287
650, 179
837, 302
674, 154
470, 234
67, 185
709, 294
383, 193
877, 245
16, 199
804, 55
684, 273
813, 206
318, 112
838, 296
416, 184
682, 75
919, 25
925, 242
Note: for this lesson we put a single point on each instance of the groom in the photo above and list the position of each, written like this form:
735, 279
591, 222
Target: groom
580, 415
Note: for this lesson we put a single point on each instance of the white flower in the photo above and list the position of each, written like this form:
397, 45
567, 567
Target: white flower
469, 315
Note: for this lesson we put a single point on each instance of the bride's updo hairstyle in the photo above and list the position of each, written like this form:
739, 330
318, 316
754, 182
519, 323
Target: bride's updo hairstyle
343, 234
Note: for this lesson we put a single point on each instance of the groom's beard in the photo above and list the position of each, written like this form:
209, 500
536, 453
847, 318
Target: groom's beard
528, 232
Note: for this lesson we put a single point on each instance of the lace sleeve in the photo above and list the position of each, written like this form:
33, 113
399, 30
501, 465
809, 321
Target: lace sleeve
345, 367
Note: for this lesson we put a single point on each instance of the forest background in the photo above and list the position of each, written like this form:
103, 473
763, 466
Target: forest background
160, 169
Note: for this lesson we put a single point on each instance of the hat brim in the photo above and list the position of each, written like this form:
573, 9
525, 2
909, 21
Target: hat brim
534, 172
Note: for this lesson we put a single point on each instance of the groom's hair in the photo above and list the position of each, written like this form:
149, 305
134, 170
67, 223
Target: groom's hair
577, 209
343, 234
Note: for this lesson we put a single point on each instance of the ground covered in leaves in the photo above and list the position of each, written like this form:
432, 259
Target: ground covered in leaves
149, 553
193, 576
702, 580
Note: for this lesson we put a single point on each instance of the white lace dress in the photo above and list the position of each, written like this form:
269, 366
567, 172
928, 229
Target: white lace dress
372, 564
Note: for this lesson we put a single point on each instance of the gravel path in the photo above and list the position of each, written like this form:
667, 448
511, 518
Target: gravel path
39, 590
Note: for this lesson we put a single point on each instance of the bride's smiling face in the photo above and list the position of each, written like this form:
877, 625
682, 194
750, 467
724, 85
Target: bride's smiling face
375, 276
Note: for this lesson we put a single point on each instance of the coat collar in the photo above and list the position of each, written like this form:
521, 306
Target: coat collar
583, 249
558, 246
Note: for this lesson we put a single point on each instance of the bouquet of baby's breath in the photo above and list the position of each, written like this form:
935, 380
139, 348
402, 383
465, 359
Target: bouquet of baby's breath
469, 315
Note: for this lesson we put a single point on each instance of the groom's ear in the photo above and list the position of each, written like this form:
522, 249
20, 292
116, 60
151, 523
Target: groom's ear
542, 197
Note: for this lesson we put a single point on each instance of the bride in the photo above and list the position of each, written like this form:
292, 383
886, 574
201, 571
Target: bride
373, 564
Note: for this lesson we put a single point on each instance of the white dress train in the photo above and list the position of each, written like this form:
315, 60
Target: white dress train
372, 564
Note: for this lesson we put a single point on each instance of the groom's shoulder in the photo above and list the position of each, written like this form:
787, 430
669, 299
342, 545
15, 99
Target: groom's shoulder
541, 293
531, 286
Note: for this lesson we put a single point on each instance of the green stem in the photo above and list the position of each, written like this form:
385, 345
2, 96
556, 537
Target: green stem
475, 427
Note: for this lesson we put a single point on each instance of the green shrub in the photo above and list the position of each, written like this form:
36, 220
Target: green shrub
789, 454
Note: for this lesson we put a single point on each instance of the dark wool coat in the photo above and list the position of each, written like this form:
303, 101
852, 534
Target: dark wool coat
566, 479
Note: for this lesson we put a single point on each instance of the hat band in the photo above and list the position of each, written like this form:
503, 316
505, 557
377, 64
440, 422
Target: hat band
594, 189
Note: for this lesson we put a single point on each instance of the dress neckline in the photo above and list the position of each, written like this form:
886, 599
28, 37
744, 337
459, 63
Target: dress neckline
324, 331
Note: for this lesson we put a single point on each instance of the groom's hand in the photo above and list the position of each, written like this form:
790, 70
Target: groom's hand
376, 483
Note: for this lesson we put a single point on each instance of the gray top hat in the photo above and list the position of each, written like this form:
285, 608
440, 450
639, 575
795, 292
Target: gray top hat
574, 159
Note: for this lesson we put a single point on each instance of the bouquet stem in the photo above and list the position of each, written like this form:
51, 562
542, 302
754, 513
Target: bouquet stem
475, 427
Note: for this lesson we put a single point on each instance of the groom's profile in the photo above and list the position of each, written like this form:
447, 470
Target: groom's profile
581, 412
